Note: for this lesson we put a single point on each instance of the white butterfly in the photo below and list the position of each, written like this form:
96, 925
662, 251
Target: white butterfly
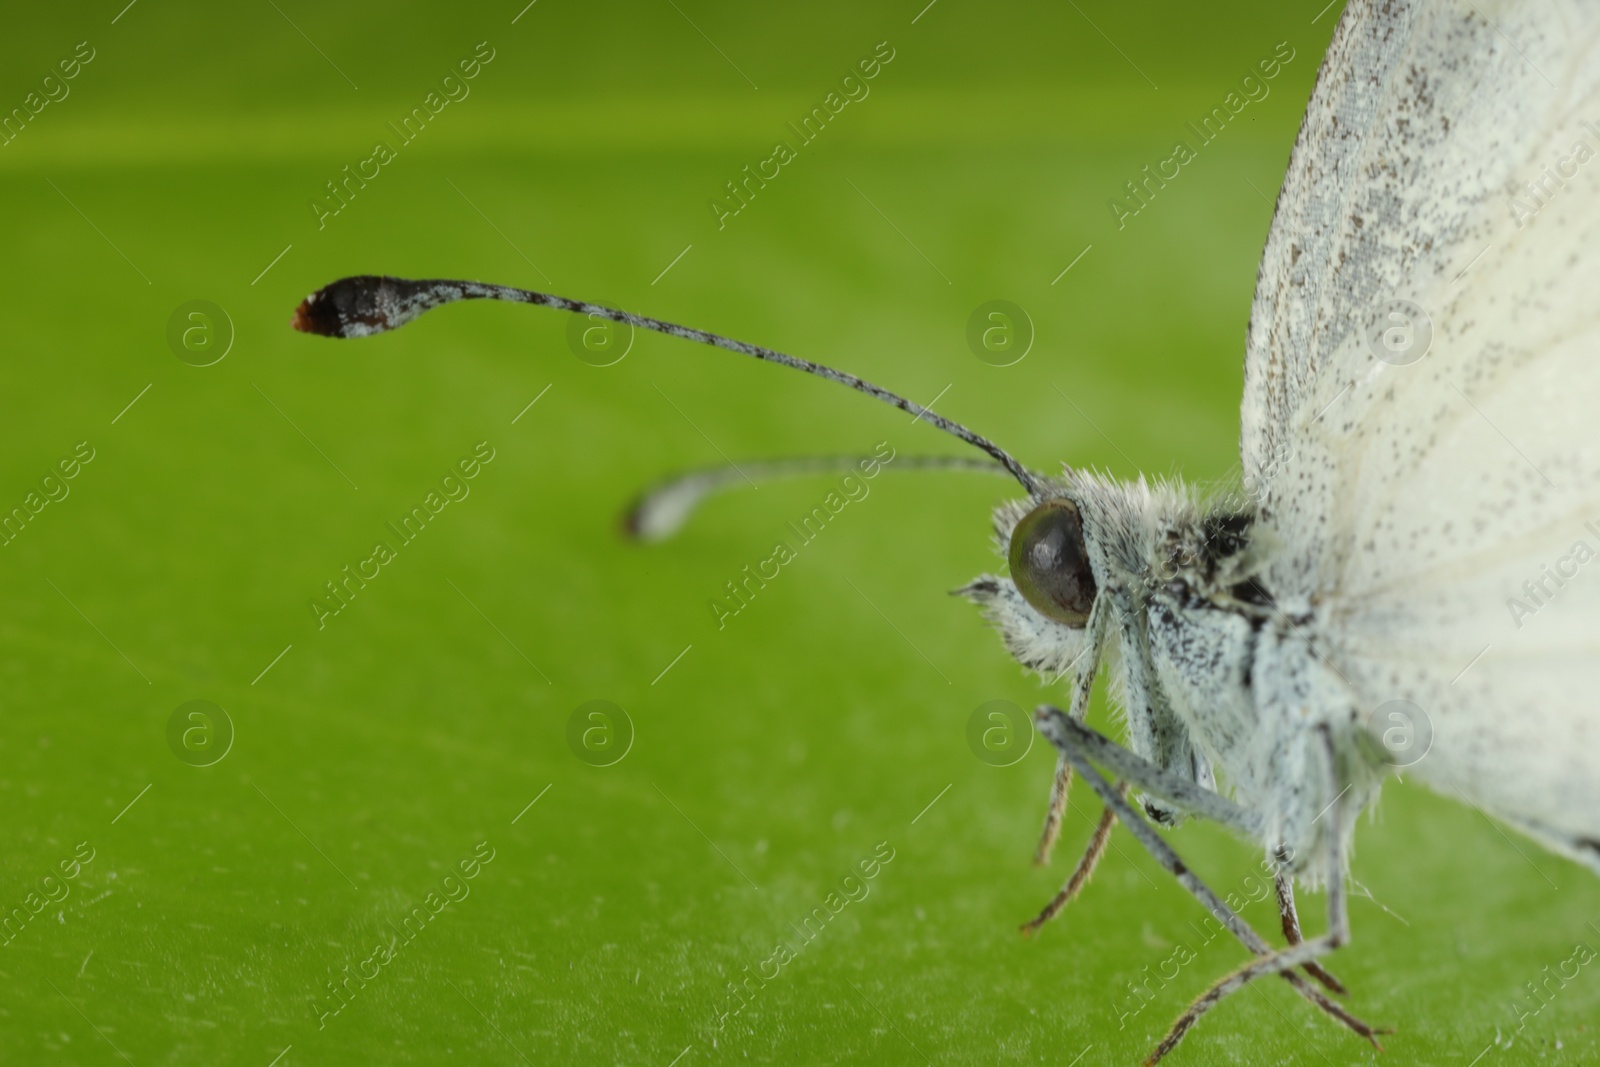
1399, 582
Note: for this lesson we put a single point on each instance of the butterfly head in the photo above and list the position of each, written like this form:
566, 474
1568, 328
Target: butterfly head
1041, 608
1049, 563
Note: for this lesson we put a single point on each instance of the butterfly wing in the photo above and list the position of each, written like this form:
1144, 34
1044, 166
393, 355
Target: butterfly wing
1421, 418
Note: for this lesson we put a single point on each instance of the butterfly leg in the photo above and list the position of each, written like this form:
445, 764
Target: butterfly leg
1051, 833
1070, 738
1085, 868
1082, 686
1291, 930
1303, 954
1078, 743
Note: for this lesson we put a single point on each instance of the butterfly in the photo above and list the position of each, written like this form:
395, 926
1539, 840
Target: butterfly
1399, 582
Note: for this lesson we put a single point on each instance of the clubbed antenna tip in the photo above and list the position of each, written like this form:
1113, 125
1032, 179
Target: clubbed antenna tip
368, 303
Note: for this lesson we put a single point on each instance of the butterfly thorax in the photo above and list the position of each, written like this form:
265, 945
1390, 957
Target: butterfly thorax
1210, 561
1206, 659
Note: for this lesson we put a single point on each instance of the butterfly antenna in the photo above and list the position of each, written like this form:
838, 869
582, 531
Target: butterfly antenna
368, 304
662, 509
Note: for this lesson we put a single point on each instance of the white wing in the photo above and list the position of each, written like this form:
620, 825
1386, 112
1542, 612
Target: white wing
1444, 194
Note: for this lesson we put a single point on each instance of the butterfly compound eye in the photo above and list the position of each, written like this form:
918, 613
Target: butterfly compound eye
1050, 564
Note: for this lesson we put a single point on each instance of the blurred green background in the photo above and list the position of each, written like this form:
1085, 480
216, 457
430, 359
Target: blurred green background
776, 753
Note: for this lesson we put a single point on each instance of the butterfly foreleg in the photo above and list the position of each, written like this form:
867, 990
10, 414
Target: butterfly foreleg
1061, 784
1086, 865
1078, 744
1072, 736
1148, 777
